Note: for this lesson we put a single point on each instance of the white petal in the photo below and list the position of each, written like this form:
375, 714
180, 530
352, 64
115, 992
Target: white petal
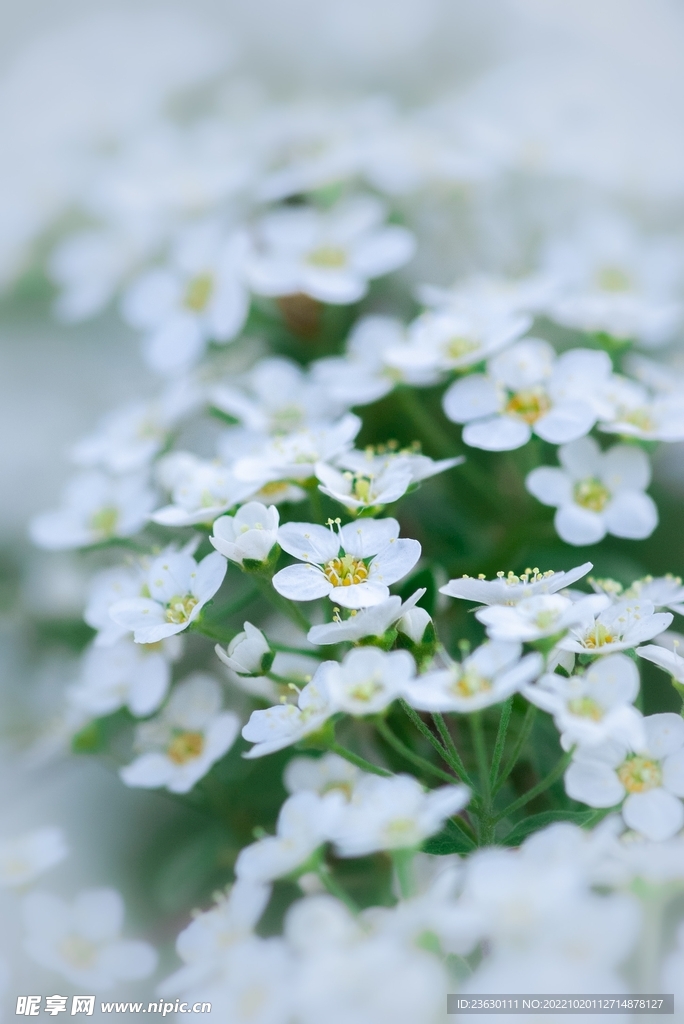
626, 466
657, 815
367, 537
673, 773
471, 398
137, 613
664, 733
566, 421
593, 783
149, 771
99, 913
384, 251
498, 434
394, 561
309, 542
579, 526
631, 514
175, 346
302, 582
549, 485
360, 595
129, 959
209, 576
581, 458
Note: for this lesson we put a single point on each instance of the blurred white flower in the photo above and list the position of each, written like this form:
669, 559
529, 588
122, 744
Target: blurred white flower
363, 375
81, 941
294, 456
353, 566
367, 679
329, 256
321, 775
285, 724
181, 744
95, 508
179, 588
597, 492
25, 857
125, 674
543, 615
508, 589
200, 489
665, 591
624, 624
372, 621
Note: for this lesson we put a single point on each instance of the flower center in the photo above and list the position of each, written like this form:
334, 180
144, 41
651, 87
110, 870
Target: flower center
198, 292
585, 707
185, 746
469, 683
401, 832
639, 774
591, 494
330, 257
360, 486
457, 347
77, 951
640, 418
105, 521
613, 279
599, 635
180, 608
530, 404
287, 418
365, 690
346, 571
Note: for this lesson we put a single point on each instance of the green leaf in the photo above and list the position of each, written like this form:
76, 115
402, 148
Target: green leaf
537, 821
449, 840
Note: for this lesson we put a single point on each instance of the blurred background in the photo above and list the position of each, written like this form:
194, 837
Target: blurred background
586, 97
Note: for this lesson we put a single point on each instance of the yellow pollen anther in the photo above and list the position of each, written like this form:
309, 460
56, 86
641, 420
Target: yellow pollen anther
105, 521
180, 608
470, 684
185, 746
591, 494
330, 257
198, 292
585, 707
345, 571
639, 774
458, 347
529, 405
598, 636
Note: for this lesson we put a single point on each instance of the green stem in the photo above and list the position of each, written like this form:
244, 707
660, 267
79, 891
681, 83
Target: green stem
334, 888
454, 758
316, 502
402, 861
500, 741
289, 608
409, 755
291, 650
465, 828
360, 762
525, 731
541, 787
230, 607
223, 636
423, 729
477, 730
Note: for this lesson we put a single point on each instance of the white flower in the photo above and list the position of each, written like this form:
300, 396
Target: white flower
487, 676
108, 587
373, 621
281, 726
622, 625
203, 944
201, 490
95, 508
502, 295
633, 411
199, 297
509, 589
294, 456
81, 941
353, 567
250, 534
371, 478
362, 375
650, 782
129, 438
374, 460
321, 775
453, 339
413, 624
25, 857
247, 653
664, 591
528, 389
597, 492
305, 822
596, 706
539, 616
179, 588
394, 813
330, 256
276, 397
367, 680
670, 661
182, 743
125, 673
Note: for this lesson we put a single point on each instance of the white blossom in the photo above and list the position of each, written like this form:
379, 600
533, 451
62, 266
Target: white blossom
372, 621
247, 652
624, 624
648, 783
363, 375
125, 674
540, 616
178, 589
669, 661
508, 589
294, 456
24, 858
353, 566
367, 680
251, 533
321, 775
281, 726
597, 492
201, 490
180, 745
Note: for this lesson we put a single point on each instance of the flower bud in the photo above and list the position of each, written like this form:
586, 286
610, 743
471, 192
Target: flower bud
248, 653
249, 536
414, 623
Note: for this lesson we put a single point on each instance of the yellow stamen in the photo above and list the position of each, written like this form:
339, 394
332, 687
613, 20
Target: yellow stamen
639, 774
345, 571
185, 746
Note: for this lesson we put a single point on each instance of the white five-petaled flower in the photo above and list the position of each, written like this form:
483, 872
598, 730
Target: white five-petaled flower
650, 781
200, 296
665, 592
509, 589
294, 456
182, 743
353, 566
125, 673
81, 941
595, 706
250, 534
372, 621
247, 652
321, 774
305, 822
487, 676
367, 679
624, 624
201, 490
280, 726
95, 508
362, 375
526, 390
178, 589
393, 813
25, 857
329, 256
597, 492
542, 615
